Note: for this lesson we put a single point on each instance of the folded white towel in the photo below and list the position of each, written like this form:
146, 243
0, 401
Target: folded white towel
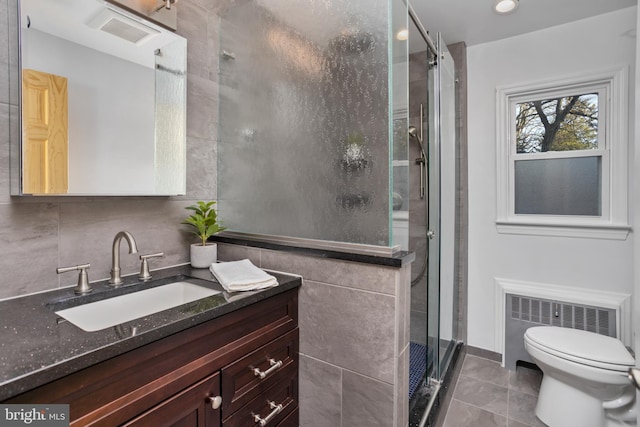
241, 276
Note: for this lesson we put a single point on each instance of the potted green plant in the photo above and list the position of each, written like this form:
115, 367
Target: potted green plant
203, 223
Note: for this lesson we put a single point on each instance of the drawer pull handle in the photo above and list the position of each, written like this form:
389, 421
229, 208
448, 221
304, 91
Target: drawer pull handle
215, 401
262, 374
276, 409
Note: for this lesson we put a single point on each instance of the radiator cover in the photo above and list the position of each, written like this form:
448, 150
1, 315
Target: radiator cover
522, 312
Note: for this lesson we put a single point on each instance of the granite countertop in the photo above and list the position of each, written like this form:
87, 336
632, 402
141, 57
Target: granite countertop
37, 346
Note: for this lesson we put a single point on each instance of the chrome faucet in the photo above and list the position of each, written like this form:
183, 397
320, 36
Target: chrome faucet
115, 279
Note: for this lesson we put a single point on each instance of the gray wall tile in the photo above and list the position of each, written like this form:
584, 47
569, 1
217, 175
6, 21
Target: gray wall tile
202, 108
349, 274
366, 402
349, 328
202, 179
235, 252
29, 242
320, 393
155, 224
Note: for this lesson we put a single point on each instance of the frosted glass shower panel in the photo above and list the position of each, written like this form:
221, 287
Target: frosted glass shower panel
304, 119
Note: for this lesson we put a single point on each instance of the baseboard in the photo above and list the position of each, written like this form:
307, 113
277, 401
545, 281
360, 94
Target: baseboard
485, 354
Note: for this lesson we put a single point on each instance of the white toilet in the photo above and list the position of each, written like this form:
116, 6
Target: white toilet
585, 381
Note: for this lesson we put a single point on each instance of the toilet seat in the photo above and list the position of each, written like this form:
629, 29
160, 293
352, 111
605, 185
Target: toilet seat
582, 347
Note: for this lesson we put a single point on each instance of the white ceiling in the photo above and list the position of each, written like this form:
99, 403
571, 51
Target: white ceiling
475, 22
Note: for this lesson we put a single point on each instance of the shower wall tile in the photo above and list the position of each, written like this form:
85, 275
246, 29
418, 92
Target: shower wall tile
416, 88
352, 329
366, 402
29, 241
194, 25
419, 291
320, 393
235, 252
418, 327
345, 273
202, 179
202, 108
418, 66
154, 223
220, 6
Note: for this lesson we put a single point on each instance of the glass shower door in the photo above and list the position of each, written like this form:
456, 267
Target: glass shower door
446, 184
424, 320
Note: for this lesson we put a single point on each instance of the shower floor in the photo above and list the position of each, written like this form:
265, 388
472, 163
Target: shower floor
417, 366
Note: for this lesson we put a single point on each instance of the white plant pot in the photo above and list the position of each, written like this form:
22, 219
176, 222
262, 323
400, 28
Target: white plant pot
203, 256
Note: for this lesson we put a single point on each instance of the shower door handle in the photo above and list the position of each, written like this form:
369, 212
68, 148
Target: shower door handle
431, 234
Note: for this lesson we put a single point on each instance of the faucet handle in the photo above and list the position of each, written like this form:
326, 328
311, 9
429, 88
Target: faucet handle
83, 278
144, 267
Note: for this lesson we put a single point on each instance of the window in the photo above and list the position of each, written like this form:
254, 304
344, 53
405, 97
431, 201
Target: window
562, 157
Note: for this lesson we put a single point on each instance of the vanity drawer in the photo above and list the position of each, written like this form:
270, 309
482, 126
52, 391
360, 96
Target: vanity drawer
273, 406
251, 375
190, 407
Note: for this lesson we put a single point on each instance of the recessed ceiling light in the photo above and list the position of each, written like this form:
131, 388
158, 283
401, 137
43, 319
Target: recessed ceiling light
505, 6
402, 34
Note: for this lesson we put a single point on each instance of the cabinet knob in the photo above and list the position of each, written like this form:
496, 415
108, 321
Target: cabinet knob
215, 401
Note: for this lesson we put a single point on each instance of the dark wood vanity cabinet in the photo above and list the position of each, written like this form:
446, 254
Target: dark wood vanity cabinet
248, 358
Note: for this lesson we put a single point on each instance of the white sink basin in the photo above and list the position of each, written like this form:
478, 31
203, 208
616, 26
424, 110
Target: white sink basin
114, 311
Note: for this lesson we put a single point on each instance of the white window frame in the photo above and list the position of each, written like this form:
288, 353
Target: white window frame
612, 88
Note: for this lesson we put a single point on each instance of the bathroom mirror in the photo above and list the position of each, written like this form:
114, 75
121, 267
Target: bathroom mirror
103, 97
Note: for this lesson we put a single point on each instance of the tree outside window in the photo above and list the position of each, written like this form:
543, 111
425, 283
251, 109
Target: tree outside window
558, 124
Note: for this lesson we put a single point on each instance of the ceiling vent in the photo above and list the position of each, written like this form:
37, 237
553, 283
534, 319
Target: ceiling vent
122, 26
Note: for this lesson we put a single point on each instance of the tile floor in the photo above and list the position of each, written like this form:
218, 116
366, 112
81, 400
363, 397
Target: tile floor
488, 395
